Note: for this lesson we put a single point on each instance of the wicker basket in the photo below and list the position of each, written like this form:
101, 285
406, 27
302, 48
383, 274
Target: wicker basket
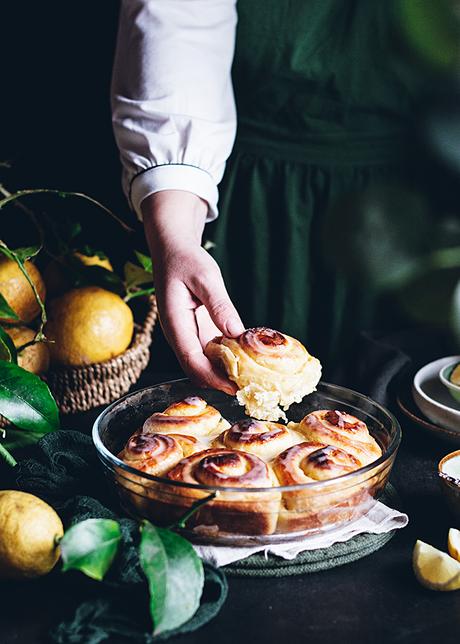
82, 388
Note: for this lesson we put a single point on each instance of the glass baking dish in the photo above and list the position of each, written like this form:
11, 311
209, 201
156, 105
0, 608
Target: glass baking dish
237, 515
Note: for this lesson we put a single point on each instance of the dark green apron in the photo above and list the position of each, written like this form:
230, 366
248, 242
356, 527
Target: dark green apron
320, 114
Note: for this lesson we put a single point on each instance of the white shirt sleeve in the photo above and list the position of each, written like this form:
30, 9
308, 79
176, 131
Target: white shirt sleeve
172, 99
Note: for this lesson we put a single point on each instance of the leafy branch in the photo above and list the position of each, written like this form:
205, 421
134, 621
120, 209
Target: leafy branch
63, 194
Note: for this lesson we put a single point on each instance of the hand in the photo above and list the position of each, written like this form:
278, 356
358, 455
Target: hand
193, 302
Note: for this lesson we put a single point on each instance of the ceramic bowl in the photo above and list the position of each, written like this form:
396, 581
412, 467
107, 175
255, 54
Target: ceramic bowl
449, 477
445, 375
433, 398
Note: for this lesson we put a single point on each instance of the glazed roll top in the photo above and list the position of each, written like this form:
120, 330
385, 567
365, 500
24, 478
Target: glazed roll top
269, 368
189, 444
263, 438
342, 430
191, 416
152, 453
222, 467
312, 461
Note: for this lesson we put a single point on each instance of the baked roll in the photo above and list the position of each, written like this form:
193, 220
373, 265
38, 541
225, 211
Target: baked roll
152, 453
262, 438
191, 416
244, 513
271, 369
306, 509
310, 461
342, 430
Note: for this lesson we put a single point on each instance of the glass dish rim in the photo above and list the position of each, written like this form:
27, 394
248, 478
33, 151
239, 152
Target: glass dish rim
109, 459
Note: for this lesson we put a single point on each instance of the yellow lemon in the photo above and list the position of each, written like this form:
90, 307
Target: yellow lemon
35, 358
435, 569
18, 292
88, 325
453, 543
29, 532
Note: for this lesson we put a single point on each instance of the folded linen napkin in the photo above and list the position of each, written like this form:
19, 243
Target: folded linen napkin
379, 520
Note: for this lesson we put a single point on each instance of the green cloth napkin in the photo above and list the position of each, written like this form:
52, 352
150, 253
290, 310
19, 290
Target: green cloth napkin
63, 470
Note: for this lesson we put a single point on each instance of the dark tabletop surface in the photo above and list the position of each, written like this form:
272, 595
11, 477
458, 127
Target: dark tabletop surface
376, 599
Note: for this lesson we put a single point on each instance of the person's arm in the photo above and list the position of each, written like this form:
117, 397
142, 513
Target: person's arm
174, 122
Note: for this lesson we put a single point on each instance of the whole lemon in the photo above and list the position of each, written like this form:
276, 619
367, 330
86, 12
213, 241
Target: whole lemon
35, 358
88, 325
18, 292
29, 530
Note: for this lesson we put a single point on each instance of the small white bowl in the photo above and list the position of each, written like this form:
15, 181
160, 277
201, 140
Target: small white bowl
432, 398
444, 376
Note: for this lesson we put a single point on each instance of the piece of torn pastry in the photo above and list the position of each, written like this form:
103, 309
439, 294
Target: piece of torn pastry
271, 370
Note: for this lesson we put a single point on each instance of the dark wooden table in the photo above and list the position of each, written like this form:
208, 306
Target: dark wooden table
376, 599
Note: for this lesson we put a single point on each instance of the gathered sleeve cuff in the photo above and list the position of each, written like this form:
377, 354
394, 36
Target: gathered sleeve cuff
172, 98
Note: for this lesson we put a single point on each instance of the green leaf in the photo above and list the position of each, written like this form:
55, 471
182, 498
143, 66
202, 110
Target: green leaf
18, 438
136, 275
7, 457
6, 311
90, 546
145, 261
7, 348
26, 400
26, 253
175, 576
98, 276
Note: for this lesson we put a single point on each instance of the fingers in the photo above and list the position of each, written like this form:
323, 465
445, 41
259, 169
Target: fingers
212, 293
179, 324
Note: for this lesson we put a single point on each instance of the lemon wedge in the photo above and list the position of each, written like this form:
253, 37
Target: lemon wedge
435, 569
453, 543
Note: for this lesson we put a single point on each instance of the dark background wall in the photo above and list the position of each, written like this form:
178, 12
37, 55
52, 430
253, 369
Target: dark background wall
55, 124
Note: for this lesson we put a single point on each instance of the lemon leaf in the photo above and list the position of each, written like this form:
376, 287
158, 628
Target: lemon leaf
99, 276
17, 438
90, 547
7, 348
144, 260
136, 275
26, 400
5, 309
26, 253
175, 576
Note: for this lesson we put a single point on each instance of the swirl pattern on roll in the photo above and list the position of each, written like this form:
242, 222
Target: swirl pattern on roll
271, 369
152, 453
263, 438
312, 461
222, 467
343, 430
191, 416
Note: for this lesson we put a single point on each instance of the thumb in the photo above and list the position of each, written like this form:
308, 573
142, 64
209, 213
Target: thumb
215, 298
